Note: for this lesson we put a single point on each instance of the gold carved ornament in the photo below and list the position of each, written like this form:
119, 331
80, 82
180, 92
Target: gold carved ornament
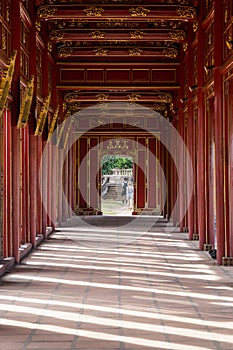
53, 123
25, 106
186, 12
94, 11
97, 34
56, 35
137, 34
178, 34
163, 98
65, 51
139, 11
101, 52
160, 107
133, 97
135, 52
46, 11
42, 116
102, 97
170, 52
6, 82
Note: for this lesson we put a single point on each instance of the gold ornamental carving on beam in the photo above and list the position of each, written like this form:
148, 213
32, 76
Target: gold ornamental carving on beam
5, 84
94, 11
102, 97
164, 97
56, 35
46, 11
133, 97
139, 11
65, 51
100, 52
186, 12
177, 34
137, 34
160, 107
25, 106
97, 34
135, 52
71, 96
170, 52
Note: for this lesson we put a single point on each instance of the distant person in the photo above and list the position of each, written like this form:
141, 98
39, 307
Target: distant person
124, 190
129, 195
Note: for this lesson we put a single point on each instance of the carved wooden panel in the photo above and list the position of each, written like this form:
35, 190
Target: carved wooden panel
117, 74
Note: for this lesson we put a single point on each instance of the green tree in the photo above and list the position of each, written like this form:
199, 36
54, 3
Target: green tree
113, 162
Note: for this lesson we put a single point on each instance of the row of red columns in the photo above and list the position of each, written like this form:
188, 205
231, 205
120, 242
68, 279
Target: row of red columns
27, 216
211, 128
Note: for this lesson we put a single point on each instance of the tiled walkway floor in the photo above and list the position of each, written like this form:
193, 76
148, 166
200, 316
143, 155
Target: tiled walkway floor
101, 285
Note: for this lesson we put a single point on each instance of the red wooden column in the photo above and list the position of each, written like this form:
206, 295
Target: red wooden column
70, 174
33, 178
54, 185
174, 210
39, 201
65, 187
181, 171
33, 169
7, 169
15, 89
219, 165
230, 116
190, 132
201, 135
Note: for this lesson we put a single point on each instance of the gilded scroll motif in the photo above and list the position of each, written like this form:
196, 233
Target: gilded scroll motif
139, 11
137, 34
177, 34
170, 52
186, 12
133, 97
94, 11
97, 34
65, 51
102, 97
46, 11
100, 52
135, 52
56, 35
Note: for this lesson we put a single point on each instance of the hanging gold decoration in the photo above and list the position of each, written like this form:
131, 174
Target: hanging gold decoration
53, 123
25, 106
5, 84
42, 116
